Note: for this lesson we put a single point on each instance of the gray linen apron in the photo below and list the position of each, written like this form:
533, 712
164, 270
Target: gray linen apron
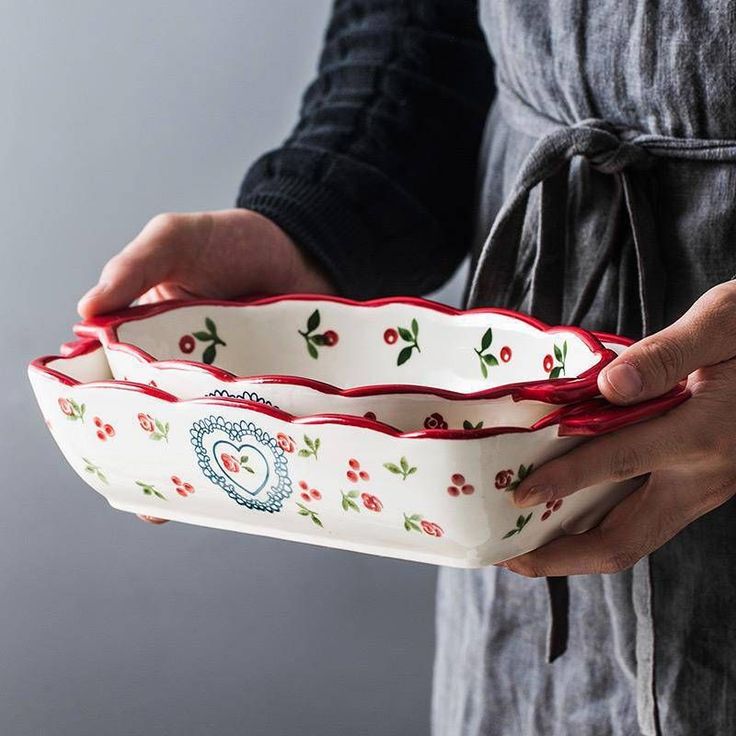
609, 191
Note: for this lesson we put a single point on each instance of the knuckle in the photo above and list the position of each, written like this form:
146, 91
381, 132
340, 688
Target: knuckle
166, 222
626, 462
666, 356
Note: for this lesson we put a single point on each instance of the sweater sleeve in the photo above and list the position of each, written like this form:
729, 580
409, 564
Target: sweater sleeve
377, 180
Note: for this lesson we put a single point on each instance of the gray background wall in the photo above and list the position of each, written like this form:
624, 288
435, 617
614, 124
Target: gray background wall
110, 113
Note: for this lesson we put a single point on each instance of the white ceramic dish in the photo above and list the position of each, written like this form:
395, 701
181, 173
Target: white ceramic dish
438, 496
442, 369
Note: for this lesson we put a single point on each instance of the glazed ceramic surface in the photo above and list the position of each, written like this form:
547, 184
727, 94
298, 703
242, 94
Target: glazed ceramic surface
434, 368
435, 496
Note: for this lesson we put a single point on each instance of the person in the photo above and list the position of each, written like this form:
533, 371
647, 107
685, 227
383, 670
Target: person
587, 165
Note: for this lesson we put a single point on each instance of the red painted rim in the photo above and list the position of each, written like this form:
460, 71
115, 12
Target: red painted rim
590, 418
552, 391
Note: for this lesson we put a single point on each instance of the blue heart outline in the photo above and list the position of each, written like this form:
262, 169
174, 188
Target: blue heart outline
237, 432
237, 451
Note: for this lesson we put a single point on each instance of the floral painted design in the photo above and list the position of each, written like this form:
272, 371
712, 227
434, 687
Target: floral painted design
183, 488
349, 501
311, 449
90, 467
435, 421
268, 487
150, 490
403, 468
234, 464
486, 359
521, 522
416, 523
104, 431
551, 507
311, 513
285, 442
72, 410
408, 335
316, 340
309, 494
505, 480
460, 486
355, 473
468, 425
155, 428
550, 367
209, 336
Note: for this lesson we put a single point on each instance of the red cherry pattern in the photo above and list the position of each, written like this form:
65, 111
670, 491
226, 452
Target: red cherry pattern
354, 473
186, 344
459, 486
505, 354
104, 431
307, 493
183, 488
548, 363
551, 507
390, 336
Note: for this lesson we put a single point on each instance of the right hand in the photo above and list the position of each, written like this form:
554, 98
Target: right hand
215, 255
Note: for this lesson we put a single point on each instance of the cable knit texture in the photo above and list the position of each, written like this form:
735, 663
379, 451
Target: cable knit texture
377, 179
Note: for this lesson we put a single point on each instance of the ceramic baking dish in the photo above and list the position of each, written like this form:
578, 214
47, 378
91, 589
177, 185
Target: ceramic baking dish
408, 362
438, 496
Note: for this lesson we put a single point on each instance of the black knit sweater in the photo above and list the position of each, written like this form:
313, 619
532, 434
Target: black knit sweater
377, 179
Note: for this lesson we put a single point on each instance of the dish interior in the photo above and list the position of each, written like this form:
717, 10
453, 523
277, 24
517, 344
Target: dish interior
350, 346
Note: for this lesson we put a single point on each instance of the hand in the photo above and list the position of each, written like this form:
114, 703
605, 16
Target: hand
689, 453
217, 255
222, 254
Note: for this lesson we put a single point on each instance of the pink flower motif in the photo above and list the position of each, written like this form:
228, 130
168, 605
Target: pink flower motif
146, 422
503, 478
66, 407
186, 344
285, 442
435, 421
372, 503
230, 463
434, 530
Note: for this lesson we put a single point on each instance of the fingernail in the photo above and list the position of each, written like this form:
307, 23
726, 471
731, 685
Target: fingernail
625, 380
534, 496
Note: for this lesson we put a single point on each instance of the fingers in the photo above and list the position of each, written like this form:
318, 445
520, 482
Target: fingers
164, 247
658, 443
151, 519
703, 336
640, 524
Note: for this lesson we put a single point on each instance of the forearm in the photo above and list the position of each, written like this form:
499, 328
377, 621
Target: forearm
377, 180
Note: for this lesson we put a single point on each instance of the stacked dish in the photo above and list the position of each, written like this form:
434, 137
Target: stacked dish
397, 427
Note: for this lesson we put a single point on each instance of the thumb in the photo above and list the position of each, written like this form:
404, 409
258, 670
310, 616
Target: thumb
704, 335
164, 247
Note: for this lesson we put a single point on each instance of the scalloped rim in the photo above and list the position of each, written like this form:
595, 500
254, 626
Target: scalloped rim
551, 391
589, 418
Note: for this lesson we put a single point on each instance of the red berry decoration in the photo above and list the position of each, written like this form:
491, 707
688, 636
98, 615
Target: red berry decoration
186, 344
557, 505
546, 515
101, 435
352, 476
505, 353
363, 475
551, 507
458, 479
467, 490
454, 491
548, 363
109, 431
390, 336
305, 496
315, 494
97, 422
303, 485
353, 463
188, 487
330, 338
460, 486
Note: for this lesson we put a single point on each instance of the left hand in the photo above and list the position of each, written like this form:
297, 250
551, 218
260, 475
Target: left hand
689, 453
